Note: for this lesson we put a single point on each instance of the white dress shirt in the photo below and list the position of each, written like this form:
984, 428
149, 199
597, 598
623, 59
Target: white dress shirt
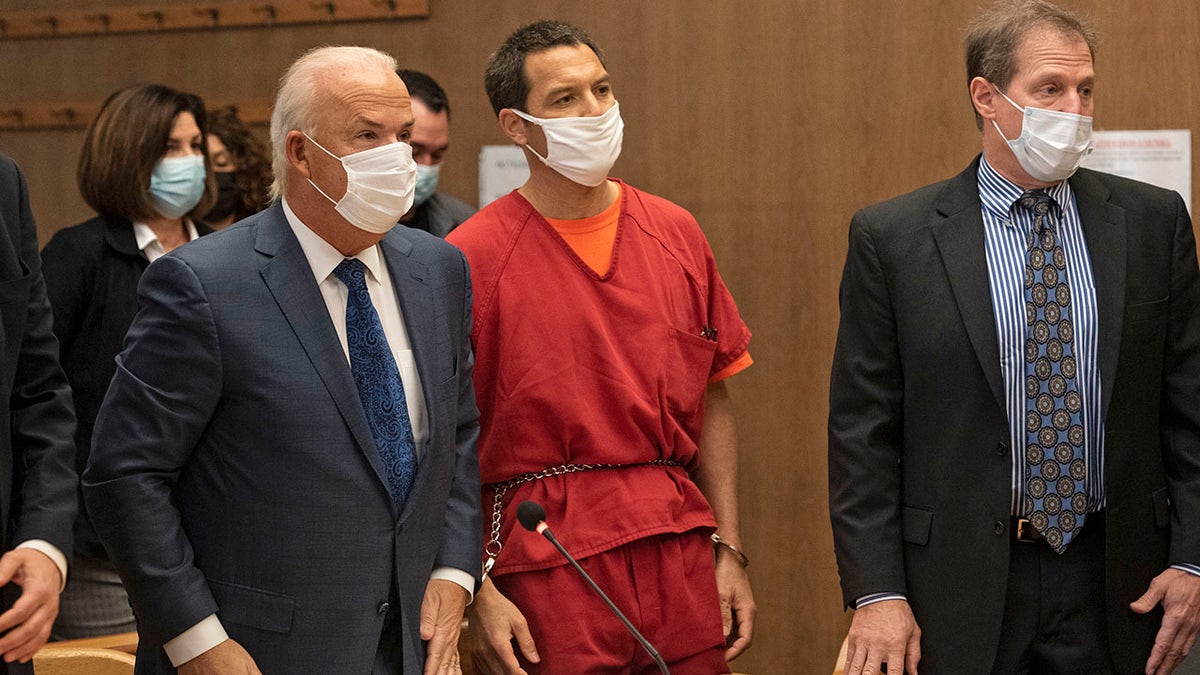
150, 246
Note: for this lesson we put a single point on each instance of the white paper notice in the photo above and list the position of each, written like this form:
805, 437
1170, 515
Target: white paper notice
1162, 158
502, 169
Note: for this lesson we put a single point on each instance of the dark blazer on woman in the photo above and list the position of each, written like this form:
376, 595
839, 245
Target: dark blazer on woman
92, 272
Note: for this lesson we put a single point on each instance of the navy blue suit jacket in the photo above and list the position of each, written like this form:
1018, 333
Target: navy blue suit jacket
233, 470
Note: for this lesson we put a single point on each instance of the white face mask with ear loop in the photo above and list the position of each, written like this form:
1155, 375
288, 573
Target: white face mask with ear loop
380, 183
1052, 143
582, 149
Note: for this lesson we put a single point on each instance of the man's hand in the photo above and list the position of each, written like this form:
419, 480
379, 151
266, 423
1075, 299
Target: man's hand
1179, 594
737, 604
227, 658
495, 623
32, 615
441, 621
883, 632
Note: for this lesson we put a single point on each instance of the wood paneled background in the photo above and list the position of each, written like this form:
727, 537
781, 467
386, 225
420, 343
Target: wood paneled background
772, 120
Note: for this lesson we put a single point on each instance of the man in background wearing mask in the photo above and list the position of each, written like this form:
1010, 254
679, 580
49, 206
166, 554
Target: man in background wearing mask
604, 335
284, 468
1014, 429
433, 211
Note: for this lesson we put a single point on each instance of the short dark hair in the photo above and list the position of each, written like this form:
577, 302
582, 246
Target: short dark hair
253, 171
994, 37
505, 75
426, 90
128, 138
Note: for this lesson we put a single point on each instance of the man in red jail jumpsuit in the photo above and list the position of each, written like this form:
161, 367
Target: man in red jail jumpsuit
603, 335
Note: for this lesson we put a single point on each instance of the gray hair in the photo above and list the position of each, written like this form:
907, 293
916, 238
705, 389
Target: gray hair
297, 100
994, 37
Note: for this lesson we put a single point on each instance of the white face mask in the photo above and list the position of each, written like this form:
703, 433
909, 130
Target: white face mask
1052, 143
379, 186
583, 149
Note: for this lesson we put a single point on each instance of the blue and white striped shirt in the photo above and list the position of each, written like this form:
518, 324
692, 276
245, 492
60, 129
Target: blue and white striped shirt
1006, 230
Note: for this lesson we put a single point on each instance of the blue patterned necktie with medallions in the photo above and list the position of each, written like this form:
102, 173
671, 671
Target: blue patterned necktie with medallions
1055, 469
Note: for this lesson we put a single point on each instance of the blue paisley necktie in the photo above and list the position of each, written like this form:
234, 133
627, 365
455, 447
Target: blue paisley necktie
378, 381
1055, 469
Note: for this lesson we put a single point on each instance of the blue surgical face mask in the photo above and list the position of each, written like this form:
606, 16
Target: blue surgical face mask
177, 184
427, 182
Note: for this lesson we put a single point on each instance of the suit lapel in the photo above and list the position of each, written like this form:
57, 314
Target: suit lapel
288, 276
960, 240
413, 291
1104, 230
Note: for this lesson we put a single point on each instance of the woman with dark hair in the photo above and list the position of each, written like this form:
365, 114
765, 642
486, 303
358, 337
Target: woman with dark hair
241, 166
145, 170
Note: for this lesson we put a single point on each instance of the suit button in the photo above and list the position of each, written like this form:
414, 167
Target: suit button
383, 608
1001, 449
999, 527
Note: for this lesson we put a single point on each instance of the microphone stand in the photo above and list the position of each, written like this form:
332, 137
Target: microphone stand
662, 666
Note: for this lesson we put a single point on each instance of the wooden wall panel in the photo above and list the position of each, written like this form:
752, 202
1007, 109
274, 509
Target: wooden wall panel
772, 120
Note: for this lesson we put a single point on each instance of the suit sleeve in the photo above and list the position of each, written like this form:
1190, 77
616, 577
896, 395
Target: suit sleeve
42, 414
1181, 394
865, 427
462, 535
167, 384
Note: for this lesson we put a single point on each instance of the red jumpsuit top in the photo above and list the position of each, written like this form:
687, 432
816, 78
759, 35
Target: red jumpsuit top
575, 367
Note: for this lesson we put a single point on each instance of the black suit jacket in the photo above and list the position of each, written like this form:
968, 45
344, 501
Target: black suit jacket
37, 483
919, 464
440, 214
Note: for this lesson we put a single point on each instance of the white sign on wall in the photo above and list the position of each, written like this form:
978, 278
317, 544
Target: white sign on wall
502, 169
1158, 157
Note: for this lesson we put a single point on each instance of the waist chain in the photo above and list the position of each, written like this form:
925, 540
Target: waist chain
494, 546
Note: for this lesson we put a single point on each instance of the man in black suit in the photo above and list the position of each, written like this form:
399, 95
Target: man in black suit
37, 422
1015, 400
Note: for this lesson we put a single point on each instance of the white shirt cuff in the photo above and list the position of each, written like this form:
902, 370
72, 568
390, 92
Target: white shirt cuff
51, 552
195, 641
459, 577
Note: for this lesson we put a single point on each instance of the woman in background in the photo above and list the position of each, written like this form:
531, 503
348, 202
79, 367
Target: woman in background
241, 167
145, 170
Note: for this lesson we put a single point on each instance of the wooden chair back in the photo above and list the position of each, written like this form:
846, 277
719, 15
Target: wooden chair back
53, 660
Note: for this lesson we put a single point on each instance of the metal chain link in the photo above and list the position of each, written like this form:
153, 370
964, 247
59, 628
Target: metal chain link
494, 546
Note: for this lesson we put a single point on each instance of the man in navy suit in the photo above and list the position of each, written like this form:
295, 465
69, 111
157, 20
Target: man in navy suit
1014, 428
264, 506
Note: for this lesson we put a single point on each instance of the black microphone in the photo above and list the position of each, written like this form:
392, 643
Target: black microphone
533, 518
